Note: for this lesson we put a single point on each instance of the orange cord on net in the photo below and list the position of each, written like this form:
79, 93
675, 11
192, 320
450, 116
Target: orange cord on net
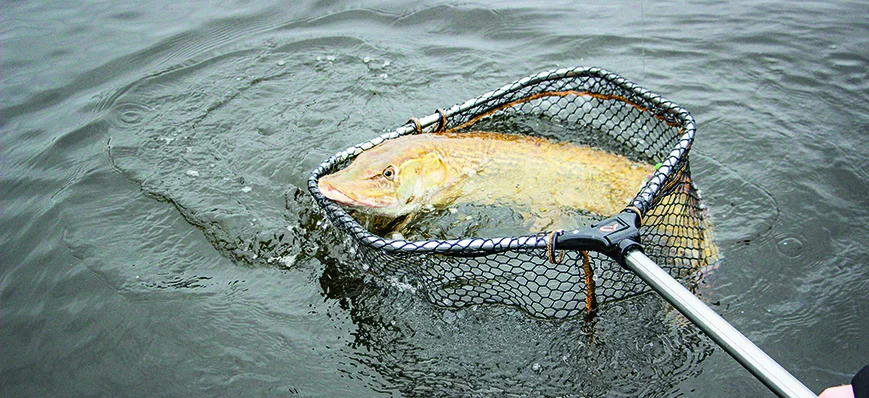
442, 120
550, 248
417, 126
590, 302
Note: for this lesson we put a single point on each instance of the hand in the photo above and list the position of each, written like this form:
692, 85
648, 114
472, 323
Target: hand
845, 391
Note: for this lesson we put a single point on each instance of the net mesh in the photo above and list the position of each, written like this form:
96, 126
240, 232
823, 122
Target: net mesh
589, 106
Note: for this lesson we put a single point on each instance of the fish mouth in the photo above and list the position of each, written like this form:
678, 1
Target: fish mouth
336, 195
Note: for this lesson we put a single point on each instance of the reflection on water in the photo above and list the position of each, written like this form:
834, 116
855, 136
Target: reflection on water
157, 238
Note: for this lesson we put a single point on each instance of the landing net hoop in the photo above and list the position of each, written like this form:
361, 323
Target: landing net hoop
517, 270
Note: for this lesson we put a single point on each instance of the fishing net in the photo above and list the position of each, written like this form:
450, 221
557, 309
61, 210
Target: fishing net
552, 274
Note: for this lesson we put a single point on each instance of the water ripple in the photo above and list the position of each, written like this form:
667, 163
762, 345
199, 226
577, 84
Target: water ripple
153, 160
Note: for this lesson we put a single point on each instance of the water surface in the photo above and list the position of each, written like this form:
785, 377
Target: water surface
157, 238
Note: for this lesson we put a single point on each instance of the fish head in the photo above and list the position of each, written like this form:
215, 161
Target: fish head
387, 180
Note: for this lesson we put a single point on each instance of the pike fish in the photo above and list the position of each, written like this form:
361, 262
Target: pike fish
406, 175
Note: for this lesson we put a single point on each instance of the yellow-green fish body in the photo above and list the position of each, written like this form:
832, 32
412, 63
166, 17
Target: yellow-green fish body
404, 175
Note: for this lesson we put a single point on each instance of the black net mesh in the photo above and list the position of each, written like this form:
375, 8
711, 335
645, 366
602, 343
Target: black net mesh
583, 105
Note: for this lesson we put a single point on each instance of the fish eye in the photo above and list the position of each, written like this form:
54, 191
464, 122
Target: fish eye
389, 173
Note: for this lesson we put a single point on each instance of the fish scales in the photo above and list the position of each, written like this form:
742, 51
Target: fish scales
533, 175
538, 174
550, 184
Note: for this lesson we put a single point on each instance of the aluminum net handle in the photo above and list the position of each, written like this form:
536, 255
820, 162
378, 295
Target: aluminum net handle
755, 360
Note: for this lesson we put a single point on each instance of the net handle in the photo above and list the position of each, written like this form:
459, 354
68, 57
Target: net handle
752, 358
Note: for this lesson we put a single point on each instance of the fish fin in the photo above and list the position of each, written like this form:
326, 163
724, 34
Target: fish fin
400, 224
433, 167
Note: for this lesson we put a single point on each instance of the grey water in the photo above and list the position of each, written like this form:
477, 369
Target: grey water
157, 238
